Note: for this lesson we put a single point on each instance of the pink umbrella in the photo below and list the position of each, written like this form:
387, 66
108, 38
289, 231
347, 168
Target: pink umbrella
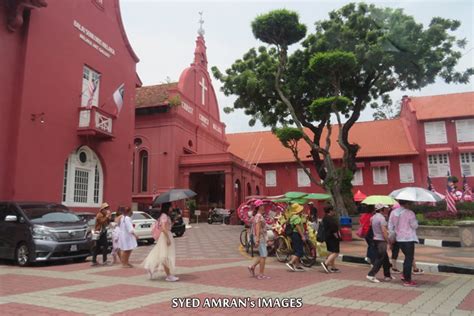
359, 196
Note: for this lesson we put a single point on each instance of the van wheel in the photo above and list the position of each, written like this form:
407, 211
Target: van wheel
22, 255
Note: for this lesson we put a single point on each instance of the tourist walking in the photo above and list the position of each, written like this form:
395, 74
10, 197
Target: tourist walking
297, 237
380, 231
163, 254
127, 238
368, 234
402, 227
313, 212
333, 238
259, 232
102, 220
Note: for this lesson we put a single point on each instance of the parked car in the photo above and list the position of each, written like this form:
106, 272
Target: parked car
178, 228
142, 224
41, 231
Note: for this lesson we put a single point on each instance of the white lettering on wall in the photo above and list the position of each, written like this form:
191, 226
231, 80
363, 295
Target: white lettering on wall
217, 128
187, 107
204, 120
93, 40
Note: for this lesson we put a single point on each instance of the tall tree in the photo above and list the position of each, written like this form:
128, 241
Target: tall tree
360, 54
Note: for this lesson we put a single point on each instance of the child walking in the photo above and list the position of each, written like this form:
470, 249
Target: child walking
260, 233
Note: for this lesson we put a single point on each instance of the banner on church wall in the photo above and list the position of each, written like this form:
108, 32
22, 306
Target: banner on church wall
187, 107
217, 128
204, 120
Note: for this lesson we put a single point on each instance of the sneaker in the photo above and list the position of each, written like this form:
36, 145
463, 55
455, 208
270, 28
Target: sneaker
289, 265
372, 279
251, 270
325, 267
418, 271
402, 278
172, 278
334, 270
388, 279
410, 284
299, 269
266, 277
395, 270
366, 259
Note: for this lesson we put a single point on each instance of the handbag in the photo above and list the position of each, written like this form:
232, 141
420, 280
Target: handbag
96, 234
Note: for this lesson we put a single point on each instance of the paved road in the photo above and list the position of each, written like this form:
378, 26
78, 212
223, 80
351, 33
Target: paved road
212, 267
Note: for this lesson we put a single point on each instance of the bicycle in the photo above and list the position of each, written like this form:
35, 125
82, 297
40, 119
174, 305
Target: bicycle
284, 250
249, 247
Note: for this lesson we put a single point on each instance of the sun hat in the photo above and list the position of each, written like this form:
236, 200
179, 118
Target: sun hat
295, 208
380, 206
104, 206
257, 203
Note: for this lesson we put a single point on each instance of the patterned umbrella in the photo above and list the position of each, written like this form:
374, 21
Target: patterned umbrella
272, 209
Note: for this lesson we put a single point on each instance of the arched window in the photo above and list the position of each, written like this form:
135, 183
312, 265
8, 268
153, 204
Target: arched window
83, 180
143, 171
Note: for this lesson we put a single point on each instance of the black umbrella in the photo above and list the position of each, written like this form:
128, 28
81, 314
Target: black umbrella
174, 195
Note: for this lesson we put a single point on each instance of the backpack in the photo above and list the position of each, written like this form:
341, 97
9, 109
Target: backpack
321, 235
156, 230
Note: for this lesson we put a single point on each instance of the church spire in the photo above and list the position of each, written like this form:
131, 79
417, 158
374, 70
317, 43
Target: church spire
200, 58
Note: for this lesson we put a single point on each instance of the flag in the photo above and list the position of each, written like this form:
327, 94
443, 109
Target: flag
118, 97
92, 87
430, 185
450, 201
467, 192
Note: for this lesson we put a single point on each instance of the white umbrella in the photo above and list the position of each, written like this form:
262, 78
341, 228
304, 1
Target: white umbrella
415, 194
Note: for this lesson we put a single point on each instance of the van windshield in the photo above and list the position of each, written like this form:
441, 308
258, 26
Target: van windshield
50, 215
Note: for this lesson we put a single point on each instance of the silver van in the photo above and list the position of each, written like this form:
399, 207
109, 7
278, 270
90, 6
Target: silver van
41, 231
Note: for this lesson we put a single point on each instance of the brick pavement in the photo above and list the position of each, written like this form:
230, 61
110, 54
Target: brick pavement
211, 266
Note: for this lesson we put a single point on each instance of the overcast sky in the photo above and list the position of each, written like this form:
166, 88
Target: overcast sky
163, 35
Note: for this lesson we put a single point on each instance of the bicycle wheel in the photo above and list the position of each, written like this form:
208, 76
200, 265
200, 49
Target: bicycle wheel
243, 238
309, 254
282, 250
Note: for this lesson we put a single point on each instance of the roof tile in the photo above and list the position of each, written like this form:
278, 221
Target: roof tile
391, 140
153, 95
443, 106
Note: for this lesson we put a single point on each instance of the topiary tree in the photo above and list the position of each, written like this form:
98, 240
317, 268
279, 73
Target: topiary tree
358, 55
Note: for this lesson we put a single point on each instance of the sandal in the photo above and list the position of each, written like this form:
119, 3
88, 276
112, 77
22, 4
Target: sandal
418, 271
251, 270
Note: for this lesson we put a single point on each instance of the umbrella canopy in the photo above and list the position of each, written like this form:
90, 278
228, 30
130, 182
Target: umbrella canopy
359, 196
308, 196
272, 209
379, 199
415, 194
174, 195
294, 200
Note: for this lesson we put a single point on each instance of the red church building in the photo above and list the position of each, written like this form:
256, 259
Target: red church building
67, 104
180, 142
434, 135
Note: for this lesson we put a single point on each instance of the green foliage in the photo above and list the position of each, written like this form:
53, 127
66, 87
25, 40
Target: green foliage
288, 135
191, 205
441, 206
279, 27
174, 101
336, 64
323, 107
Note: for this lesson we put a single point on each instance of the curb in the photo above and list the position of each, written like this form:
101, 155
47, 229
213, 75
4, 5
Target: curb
432, 242
428, 267
439, 243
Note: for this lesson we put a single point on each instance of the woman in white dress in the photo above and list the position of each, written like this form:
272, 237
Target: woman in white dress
163, 253
127, 238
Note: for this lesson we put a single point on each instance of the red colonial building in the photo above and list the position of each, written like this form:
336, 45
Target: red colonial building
67, 104
180, 142
434, 135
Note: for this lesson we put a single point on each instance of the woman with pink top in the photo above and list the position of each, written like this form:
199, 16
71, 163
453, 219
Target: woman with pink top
402, 226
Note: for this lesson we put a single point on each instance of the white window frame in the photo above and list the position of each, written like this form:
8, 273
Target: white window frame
465, 130
92, 165
438, 165
379, 177
406, 173
466, 160
435, 133
358, 178
270, 178
89, 74
302, 178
